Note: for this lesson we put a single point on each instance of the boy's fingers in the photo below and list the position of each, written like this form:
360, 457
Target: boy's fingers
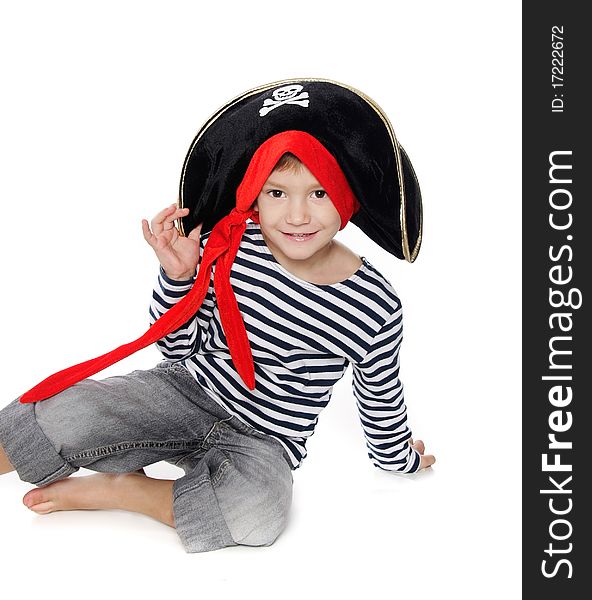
157, 242
195, 232
169, 221
427, 460
419, 446
160, 218
176, 213
148, 236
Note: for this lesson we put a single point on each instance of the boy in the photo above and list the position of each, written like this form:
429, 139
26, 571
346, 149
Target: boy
236, 422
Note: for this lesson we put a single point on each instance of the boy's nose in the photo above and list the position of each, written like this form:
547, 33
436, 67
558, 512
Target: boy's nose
298, 212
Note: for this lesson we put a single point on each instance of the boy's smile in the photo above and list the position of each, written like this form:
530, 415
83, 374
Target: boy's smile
298, 220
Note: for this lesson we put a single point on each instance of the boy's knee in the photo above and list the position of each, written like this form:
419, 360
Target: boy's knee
267, 514
32, 453
62, 420
264, 534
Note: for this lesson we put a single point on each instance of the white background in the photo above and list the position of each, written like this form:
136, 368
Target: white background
100, 102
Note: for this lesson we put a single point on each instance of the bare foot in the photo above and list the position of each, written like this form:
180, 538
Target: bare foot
74, 493
127, 491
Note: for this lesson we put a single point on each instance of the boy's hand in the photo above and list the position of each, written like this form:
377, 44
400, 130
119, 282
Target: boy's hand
177, 254
427, 460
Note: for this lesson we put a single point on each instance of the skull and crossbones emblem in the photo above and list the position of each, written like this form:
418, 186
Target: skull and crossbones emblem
289, 94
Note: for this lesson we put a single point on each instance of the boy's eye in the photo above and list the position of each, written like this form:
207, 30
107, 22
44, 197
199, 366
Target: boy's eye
318, 194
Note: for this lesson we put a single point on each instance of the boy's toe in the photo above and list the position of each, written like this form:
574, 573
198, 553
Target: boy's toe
43, 508
38, 501
34, 497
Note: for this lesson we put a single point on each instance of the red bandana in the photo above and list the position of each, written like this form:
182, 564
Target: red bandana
221, 248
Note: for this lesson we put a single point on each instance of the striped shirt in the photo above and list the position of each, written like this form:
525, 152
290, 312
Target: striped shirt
302, 336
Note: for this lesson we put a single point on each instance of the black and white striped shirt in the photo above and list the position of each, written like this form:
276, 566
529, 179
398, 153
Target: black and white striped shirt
302, 338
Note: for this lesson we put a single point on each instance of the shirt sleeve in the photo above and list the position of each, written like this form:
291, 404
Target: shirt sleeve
184, 341
379, 396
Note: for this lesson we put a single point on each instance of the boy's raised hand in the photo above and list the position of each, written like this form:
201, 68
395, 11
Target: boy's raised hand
177, 254
427, 460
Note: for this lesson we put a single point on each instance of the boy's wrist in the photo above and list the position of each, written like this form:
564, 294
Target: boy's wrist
183, 277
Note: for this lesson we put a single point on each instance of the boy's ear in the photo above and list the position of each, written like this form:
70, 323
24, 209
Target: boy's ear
255, 207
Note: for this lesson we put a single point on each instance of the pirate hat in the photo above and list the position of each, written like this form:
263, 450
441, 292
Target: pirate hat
348, 144
349, 124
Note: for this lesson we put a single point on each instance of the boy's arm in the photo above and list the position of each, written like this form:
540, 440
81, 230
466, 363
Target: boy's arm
379, 395
184, 341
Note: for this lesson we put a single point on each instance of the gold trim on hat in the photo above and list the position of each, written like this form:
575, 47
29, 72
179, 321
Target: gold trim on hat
410, 256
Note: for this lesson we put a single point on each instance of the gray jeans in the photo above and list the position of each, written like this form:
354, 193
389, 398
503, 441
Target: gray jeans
237, 486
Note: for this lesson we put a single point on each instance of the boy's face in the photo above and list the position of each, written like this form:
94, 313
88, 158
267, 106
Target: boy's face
296, 203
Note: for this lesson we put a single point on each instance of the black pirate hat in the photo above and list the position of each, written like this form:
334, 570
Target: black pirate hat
349, 124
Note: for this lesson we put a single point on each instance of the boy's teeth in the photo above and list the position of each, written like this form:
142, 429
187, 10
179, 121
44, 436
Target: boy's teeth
301, 236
